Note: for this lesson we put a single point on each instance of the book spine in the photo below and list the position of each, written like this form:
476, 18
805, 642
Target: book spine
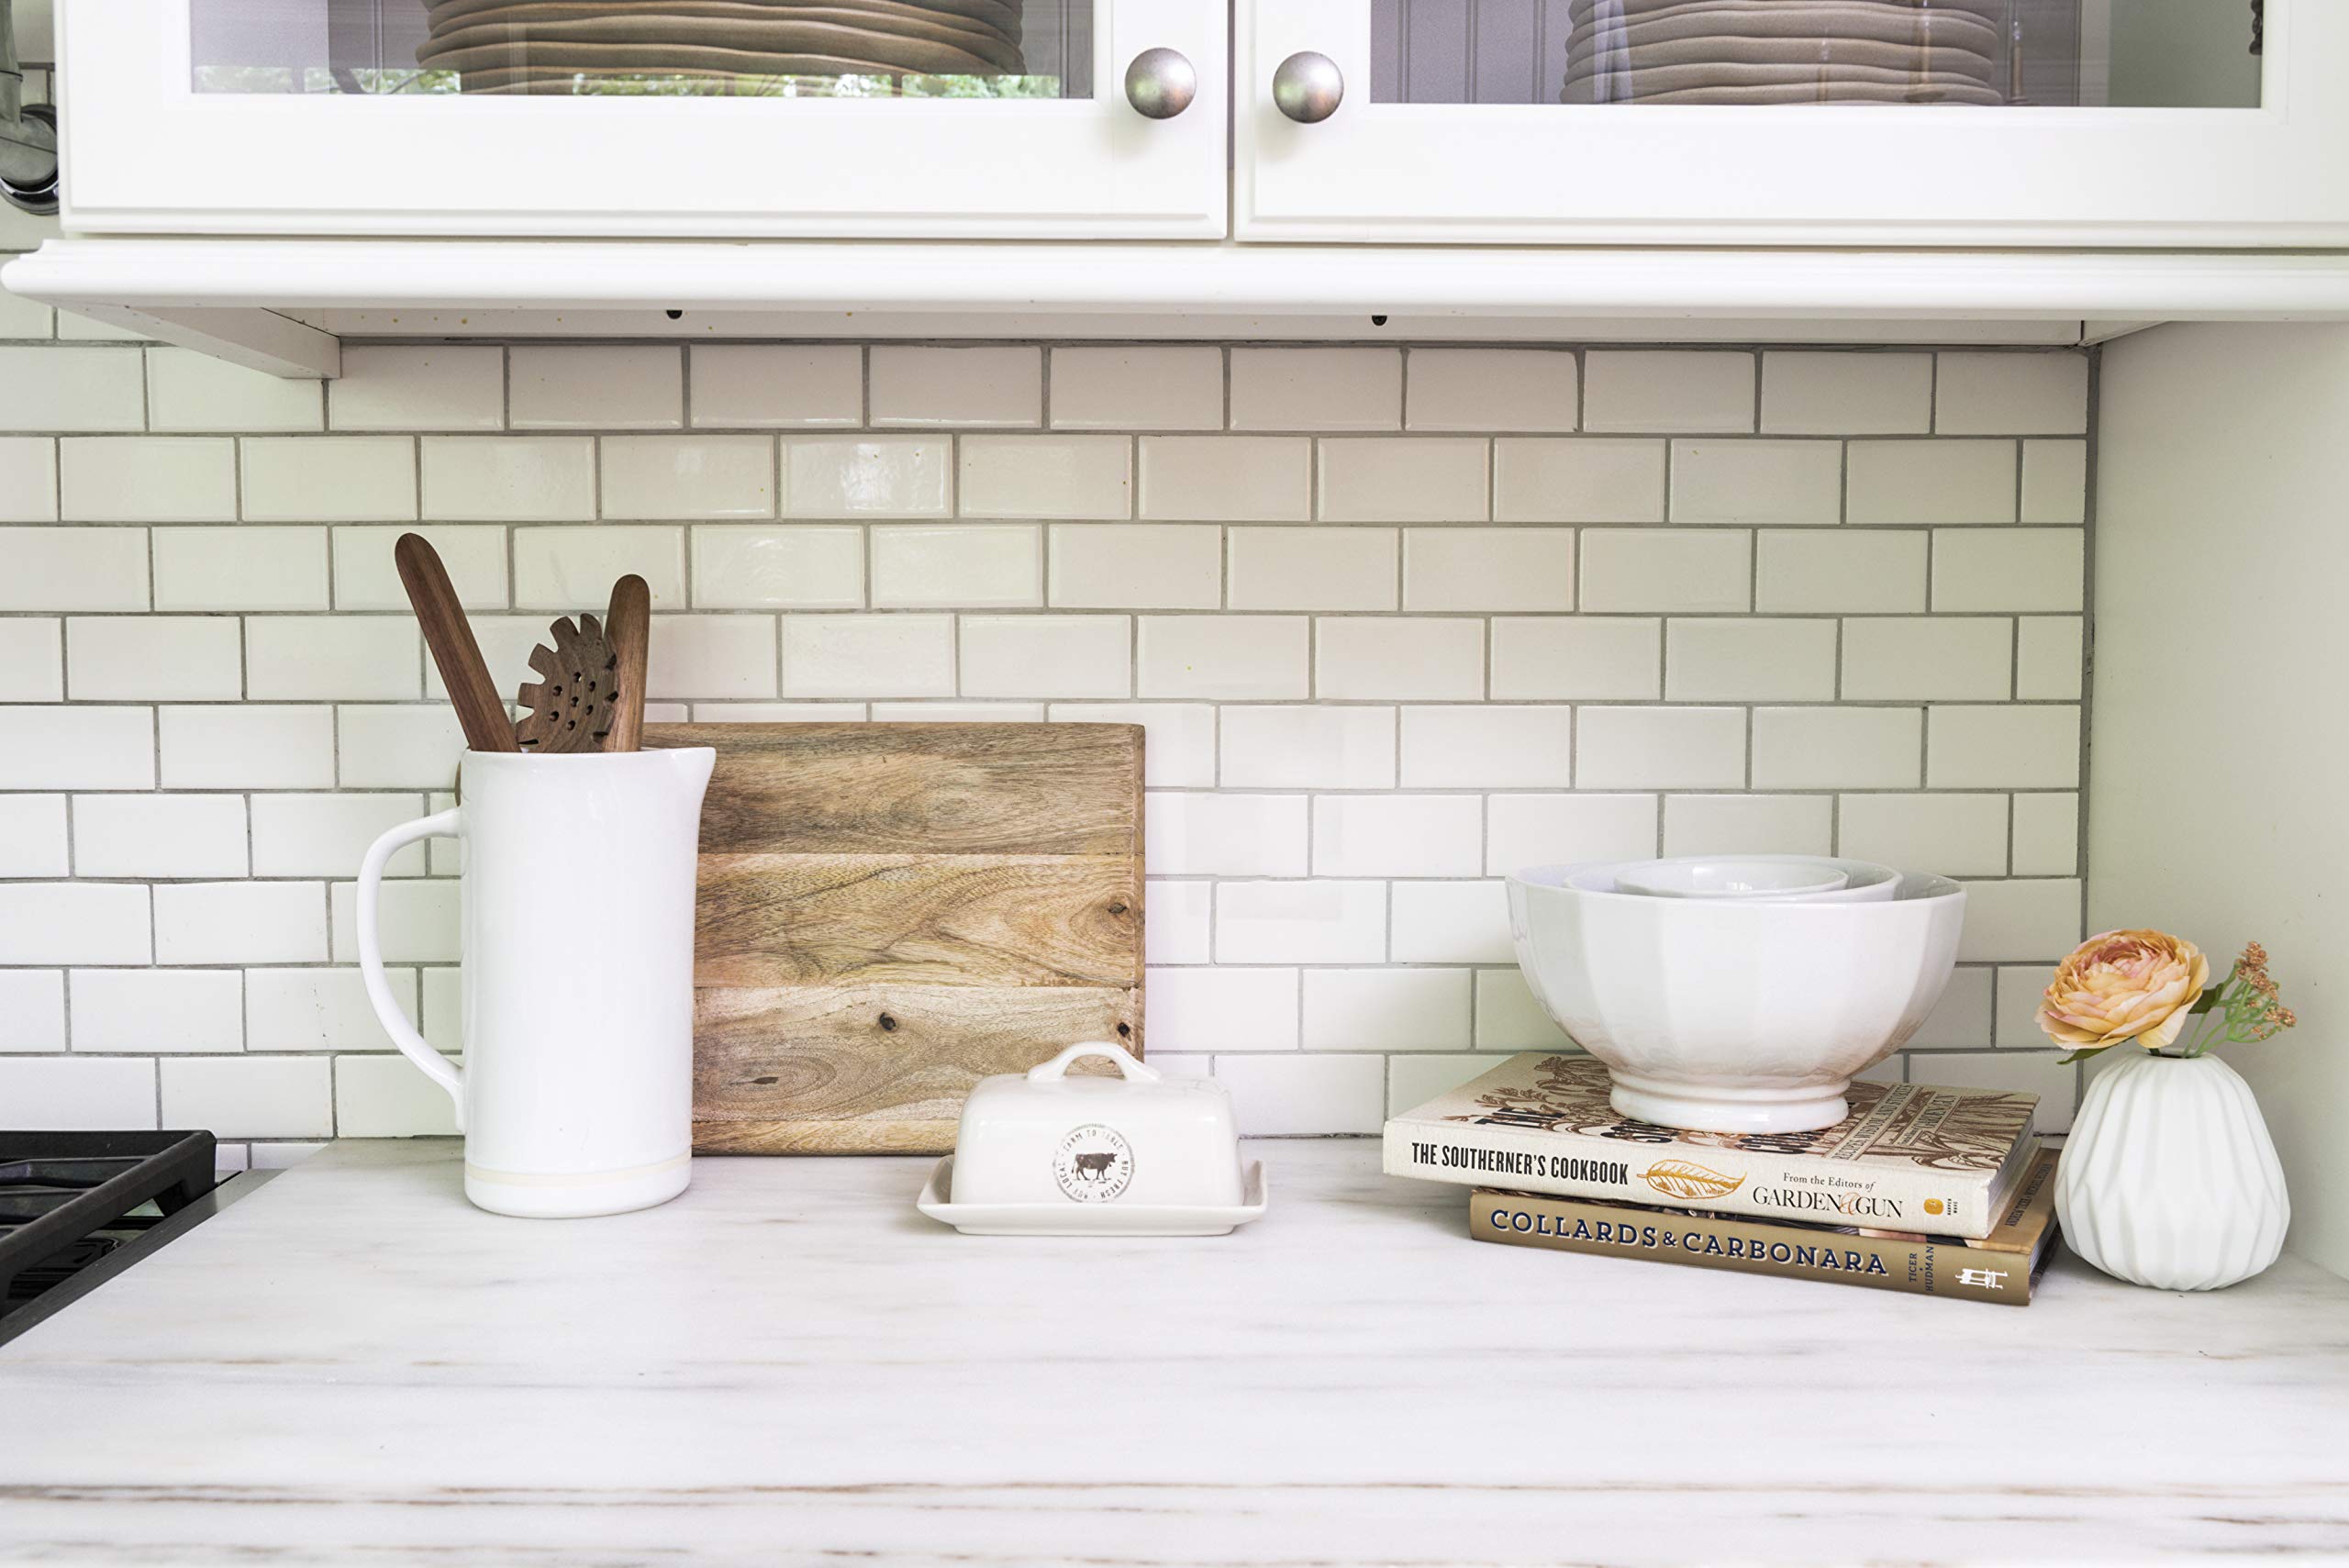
1707, 1241
1802, 1188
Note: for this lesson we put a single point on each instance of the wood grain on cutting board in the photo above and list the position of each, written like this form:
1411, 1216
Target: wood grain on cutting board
890, 912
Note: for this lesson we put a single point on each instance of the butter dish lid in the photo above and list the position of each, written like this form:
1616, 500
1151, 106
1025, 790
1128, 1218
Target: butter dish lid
1135, 1140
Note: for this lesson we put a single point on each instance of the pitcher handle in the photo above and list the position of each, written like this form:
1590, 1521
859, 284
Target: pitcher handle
437, 1067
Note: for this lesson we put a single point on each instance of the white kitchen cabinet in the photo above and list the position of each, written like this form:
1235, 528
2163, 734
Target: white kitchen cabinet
1010, 119
2035, 123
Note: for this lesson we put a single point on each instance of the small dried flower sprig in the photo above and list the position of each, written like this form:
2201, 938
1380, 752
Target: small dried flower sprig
2151, 989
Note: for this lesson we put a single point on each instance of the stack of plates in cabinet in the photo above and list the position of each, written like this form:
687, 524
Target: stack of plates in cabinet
1785, 51
589, 45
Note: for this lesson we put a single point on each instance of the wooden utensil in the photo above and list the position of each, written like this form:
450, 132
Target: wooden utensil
890, 912
570, 704
629, 626
471, 691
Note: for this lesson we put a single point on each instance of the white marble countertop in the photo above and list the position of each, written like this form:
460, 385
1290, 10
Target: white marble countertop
789, 1365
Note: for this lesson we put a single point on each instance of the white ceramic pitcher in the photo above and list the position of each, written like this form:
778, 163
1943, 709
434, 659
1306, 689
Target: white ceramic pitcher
577, 1094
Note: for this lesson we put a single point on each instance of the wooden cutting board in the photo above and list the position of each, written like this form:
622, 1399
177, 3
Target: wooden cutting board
890, 912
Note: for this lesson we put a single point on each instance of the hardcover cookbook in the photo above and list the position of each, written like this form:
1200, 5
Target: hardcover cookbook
1910, 1157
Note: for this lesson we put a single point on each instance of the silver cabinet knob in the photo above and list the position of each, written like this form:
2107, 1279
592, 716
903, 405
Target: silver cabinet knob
1308, 87
1160, 83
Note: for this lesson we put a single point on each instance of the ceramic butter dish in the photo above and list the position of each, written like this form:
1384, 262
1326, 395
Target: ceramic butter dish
1041, 1154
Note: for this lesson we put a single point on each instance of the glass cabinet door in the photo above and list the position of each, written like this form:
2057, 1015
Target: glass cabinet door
2121, 122
851, 117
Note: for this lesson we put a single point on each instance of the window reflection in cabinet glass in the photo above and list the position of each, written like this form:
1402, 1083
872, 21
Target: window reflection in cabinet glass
2151, 53
782, 49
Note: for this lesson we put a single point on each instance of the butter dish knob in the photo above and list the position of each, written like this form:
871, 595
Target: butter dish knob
1132, 1066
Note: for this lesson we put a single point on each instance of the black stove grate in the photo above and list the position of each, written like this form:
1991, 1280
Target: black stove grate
68, 1199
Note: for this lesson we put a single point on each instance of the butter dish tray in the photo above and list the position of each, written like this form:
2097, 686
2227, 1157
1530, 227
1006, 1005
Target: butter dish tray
1089, 1219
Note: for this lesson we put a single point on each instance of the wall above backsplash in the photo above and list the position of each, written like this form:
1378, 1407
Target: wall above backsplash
1398, 620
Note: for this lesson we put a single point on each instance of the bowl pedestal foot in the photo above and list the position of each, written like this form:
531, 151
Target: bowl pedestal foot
1711, 1108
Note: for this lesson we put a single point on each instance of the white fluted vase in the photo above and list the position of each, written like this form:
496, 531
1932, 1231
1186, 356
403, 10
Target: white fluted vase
2169, 1178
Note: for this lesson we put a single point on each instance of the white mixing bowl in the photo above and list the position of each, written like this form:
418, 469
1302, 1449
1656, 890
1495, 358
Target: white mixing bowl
1734, 1015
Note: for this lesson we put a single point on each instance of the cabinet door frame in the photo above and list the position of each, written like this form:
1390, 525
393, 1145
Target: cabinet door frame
145, 154
1849, 175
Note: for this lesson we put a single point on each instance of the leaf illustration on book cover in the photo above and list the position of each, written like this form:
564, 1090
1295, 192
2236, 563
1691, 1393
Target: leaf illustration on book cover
1687, 1179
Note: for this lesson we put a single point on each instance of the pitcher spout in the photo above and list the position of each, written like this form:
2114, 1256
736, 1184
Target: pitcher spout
690, 766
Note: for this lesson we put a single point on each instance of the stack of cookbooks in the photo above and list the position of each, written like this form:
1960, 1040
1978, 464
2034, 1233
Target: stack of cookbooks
1943, 1191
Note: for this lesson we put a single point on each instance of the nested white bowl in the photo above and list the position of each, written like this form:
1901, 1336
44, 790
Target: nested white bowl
1734, 1015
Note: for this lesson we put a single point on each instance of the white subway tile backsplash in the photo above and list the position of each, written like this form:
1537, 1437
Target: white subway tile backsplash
1669, 390
274, 747
1586, 480
1721, 658
1961, 1020
1949, 835
689, 477
332, 658
147, 479
45, 387
247, 1096
32, 659
195, 393
58, 1093
33, 1001
1509, 1018
1749, 823
2050, 657
1660, 748
1403, 479
1838, 748
1452, 922
1916, 658
1271, 747
868, 656
1386, 1009
1178, 749
443, 387
2020, 921
2054, 482
2006, 394
397, 748
75, 922
1203, 834
328, 835
143, 658
514, 479
2009, 569
723, 656
1491, 389
1826, 394
754, 567
846, 476
73, 569
126, 1010
1136, 566
636, 386
240, 922
1138, 387
950, 565
1931, 482
1376, 658
1773, 482
28, 479
1839, 570
1487, 746
389, 1097
249, 567
1489, 569
1579, 658
2046, 835
318, 1009
1298, 922
159, 834
1312, 568
416, 920
1413, 1081
366, 577
771, 387
315, 479
1047, 656
1397, 835
1046, 476
1212, 479
2032, 747
572, 570
1180, 929
1659, 570
1306, 1096
995, 387
1233, 658
1317, 389
1529, 830
77, 747
33, 838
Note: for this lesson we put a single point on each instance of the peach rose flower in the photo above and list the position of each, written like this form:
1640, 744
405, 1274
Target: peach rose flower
2123, 986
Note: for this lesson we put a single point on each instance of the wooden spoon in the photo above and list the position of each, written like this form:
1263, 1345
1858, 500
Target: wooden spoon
629, 626
472, 693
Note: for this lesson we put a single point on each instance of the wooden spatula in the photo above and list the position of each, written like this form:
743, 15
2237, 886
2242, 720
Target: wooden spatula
571, 701
629, 624
471, 691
